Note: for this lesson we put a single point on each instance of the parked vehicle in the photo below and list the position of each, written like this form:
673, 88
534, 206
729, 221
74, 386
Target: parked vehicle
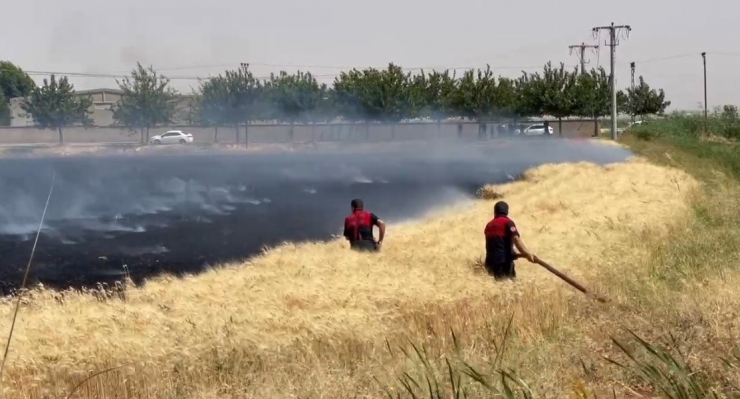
537, 129
630, 126
172, 137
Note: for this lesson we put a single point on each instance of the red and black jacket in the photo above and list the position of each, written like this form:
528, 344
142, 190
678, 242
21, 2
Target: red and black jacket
499, 233
359, 226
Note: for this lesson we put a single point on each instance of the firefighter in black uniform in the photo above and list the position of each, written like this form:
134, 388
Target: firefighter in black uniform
501, 236
358, 228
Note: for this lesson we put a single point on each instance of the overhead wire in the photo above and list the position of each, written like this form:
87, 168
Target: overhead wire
671, 57
121, 75
730, 54
109, 75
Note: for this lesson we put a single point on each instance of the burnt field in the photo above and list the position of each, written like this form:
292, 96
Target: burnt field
177, 213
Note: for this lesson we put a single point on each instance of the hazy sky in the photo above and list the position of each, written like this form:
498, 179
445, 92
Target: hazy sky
186, 39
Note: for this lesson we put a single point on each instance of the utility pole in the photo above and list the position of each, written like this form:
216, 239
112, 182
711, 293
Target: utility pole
613, 42
704, 58
243, 69
581, 53
632, 73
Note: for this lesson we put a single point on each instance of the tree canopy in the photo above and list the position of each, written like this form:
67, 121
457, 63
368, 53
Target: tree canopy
4, 111
642, 100
147, 101
213, 106
246, 95
436, 92
14, 82
294, 97
371, 95
475, 94
591, 95
391, 95
55, 105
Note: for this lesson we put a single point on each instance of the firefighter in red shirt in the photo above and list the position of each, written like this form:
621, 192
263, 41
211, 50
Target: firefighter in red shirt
358, 228
501, 237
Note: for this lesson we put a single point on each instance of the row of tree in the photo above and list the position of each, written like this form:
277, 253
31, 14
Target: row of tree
390, 95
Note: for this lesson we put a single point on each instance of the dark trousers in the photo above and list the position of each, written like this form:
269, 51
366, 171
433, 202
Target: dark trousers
363, 245
501, 271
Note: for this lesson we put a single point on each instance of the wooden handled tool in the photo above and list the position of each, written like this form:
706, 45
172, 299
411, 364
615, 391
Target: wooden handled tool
565, 278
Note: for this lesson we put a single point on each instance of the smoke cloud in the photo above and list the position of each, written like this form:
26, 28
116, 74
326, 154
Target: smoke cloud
177, 213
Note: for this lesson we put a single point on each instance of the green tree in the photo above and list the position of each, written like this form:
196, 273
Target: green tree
347, 95
557, 93
475, 96
592, 96
4, 111
350, 99
388, 96
147, 101
728, 121
324, 110
294, 98
245, 99
437, 89
642, 100
213, 104
394, 97
507, 98
511, 99
14, 82
526, 88
55, 105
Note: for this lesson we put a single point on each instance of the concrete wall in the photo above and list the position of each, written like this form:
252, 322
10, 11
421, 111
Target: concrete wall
102, 115
279, 133
18, 116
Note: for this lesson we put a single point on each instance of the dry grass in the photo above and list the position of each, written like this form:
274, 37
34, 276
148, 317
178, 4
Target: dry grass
320, 321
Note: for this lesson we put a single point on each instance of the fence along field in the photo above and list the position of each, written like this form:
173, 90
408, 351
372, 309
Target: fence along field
280, 133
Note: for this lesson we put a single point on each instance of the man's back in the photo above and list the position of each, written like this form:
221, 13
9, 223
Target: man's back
359, 226
499, 244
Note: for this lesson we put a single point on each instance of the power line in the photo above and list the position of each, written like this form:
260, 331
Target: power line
108, 75
730, 54
671, 57
343, 67
121, 75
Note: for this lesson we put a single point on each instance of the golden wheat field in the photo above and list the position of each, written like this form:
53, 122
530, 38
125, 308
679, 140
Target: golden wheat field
316, 320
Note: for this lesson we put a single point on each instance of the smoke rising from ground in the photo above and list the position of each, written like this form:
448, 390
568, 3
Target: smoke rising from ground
176, 213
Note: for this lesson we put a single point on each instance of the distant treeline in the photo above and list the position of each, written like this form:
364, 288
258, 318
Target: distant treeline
370, 95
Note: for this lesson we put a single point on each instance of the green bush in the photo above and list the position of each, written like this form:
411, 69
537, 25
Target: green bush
723, 122
687, 132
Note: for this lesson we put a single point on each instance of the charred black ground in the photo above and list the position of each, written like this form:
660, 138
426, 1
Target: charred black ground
177, 213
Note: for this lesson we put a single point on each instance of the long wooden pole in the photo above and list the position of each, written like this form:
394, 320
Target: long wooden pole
565, 278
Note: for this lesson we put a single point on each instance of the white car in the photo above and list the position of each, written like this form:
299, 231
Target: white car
536, 130
172, 137
630, 126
